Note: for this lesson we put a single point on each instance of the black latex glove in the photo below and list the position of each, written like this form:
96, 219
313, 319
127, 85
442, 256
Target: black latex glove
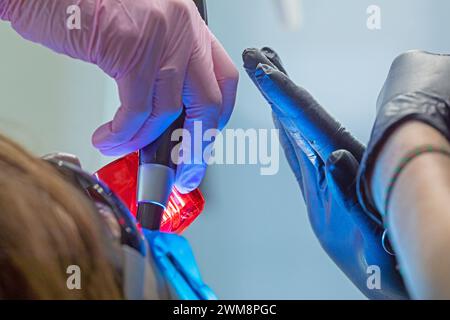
325, 159
417, 88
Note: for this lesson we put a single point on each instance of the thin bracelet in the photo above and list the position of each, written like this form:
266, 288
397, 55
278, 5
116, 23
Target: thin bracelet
410, 156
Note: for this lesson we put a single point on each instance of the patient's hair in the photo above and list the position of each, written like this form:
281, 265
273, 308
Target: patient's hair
47, 225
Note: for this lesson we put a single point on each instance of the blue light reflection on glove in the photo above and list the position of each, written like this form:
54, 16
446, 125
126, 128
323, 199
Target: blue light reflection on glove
325, 159
174, 258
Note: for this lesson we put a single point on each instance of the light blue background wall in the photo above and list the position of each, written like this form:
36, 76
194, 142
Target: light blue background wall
254, 240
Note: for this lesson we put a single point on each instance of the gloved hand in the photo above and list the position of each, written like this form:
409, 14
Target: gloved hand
417, 88
161, 54
176, 262
324, 157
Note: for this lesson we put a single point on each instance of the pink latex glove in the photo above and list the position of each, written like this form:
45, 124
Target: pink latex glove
161, 54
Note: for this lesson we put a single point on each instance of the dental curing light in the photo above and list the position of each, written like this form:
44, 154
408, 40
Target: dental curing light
156, 175
121, 177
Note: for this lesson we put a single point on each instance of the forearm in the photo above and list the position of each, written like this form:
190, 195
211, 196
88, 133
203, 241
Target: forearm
419, 213
54, 24
100, 32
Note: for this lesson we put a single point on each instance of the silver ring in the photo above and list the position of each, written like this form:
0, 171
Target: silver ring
387, 244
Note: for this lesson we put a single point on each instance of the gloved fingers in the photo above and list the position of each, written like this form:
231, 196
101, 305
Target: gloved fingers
313, 170
136, 98
292, 129
121, 136
113, 134
193, 156
145, 135
289, 152
310, 165
273, 56
341, 171
288, 100
252, 58
203, 101
227, 77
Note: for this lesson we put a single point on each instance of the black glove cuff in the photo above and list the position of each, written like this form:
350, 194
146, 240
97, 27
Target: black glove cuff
415, 106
